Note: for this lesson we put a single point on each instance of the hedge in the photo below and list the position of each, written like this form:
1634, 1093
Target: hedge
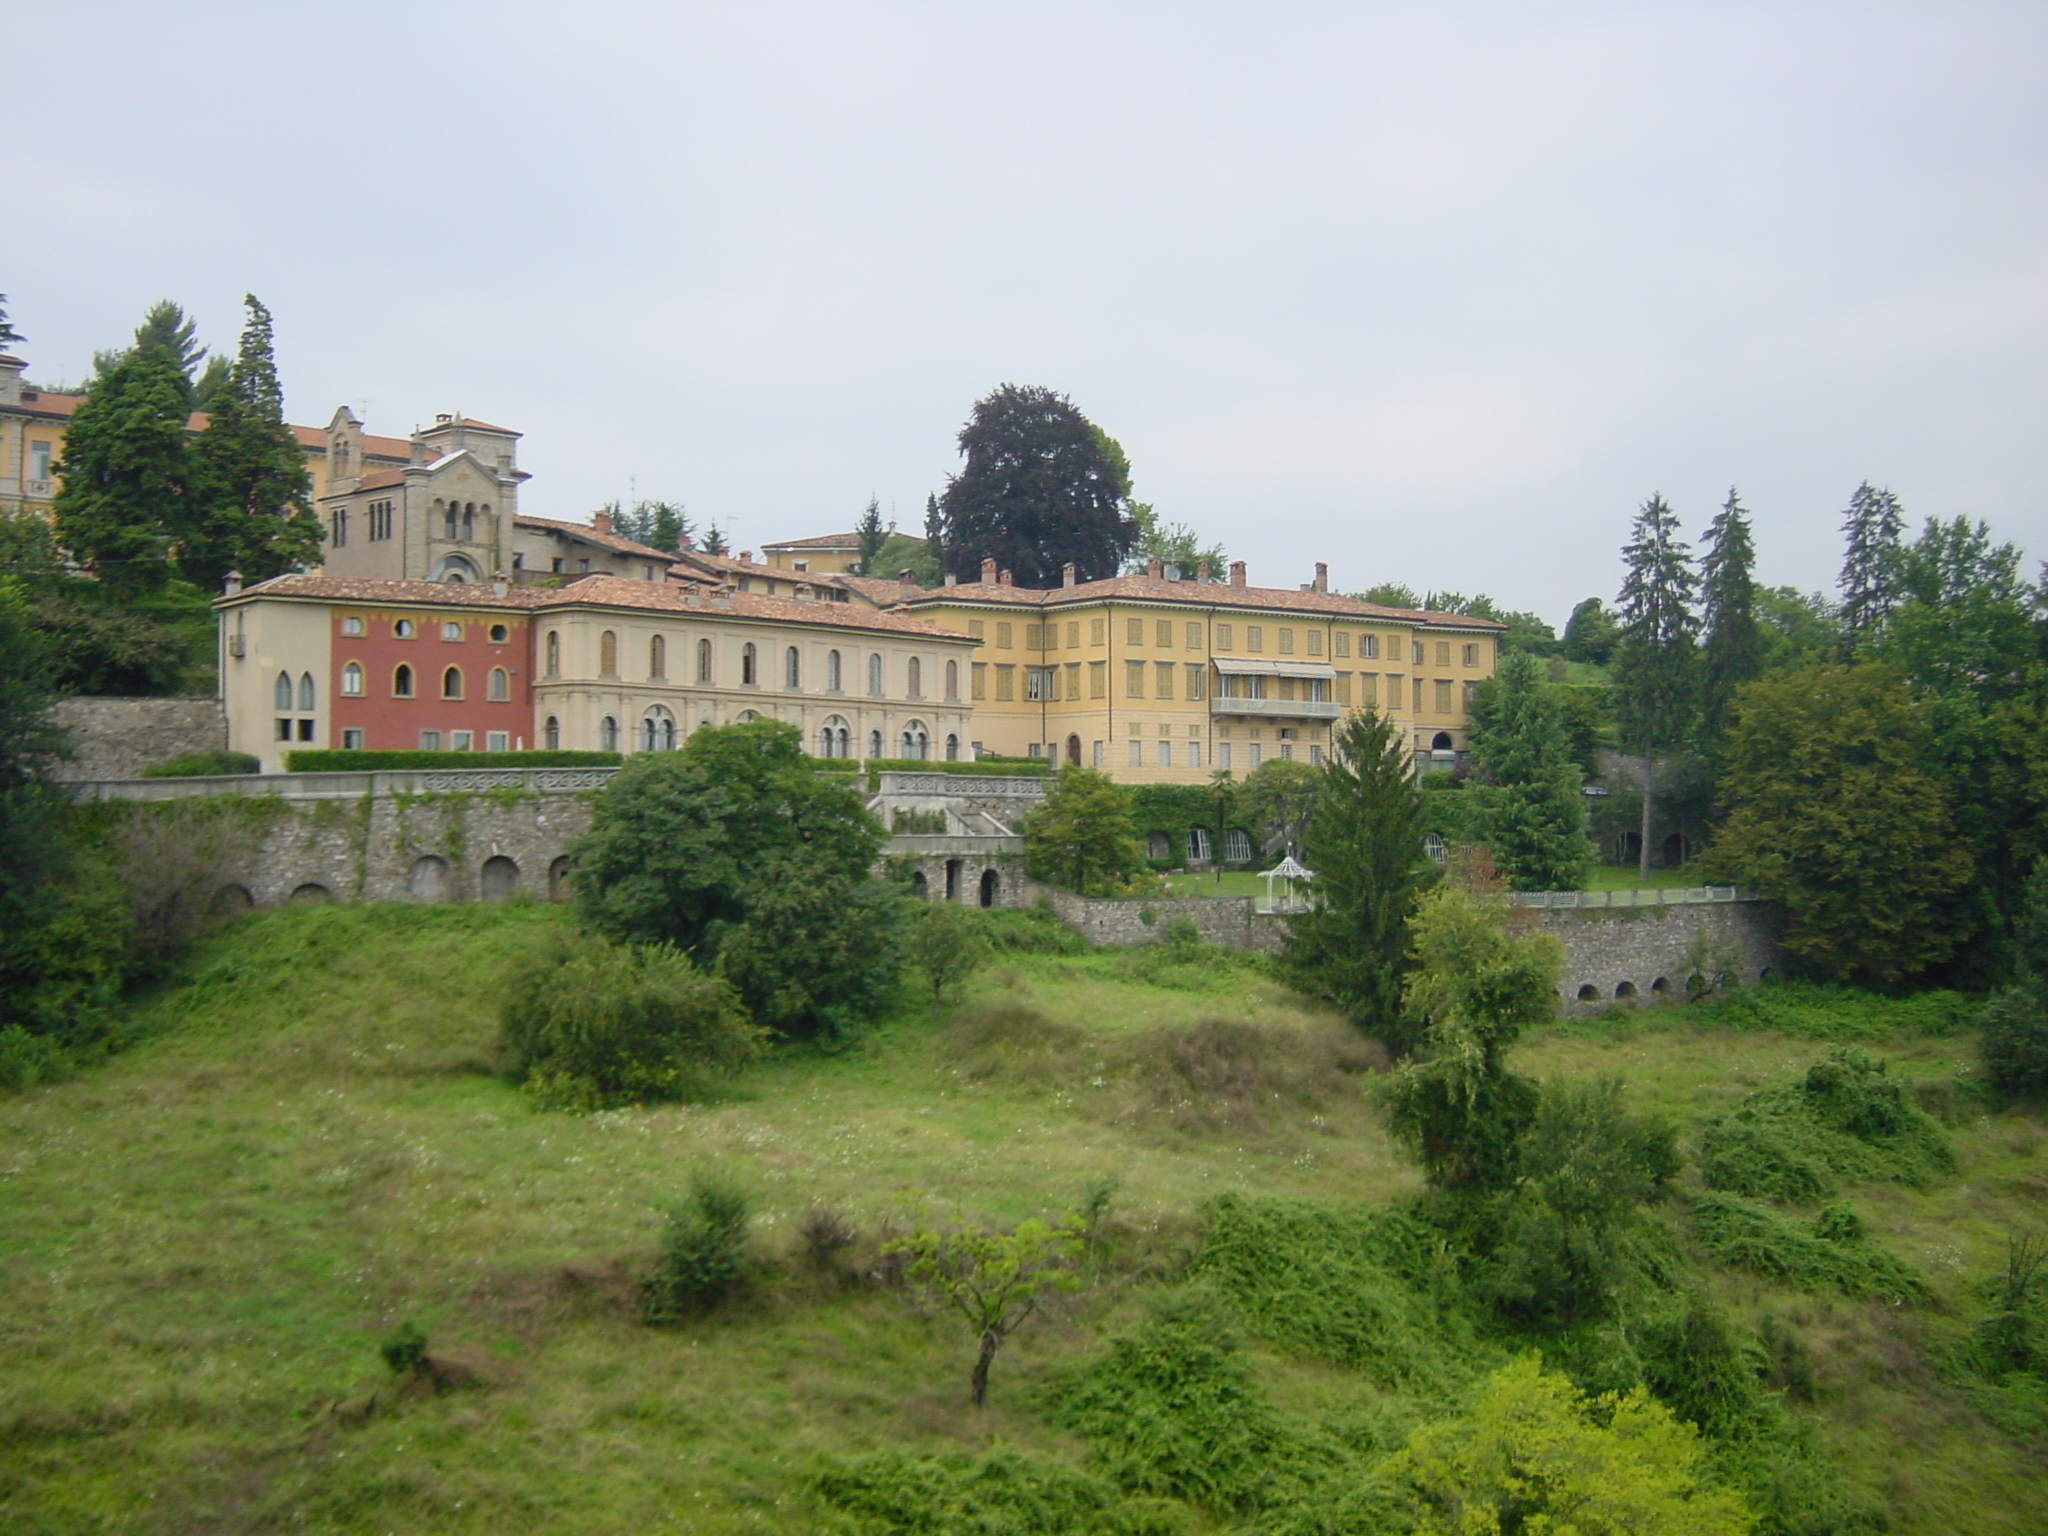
200, 765
360, 761
1036, 768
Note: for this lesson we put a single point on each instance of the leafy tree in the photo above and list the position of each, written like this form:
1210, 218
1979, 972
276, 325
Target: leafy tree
1733, 648
127, 472
1536, 1454
817, 955
1531, 808
871, 533
1277, 798
2014, 1037
1041, 487
253, 511
1171, 544
947, 945
1796, 627
993, 1279
1654, 658
1873, 525
1391, 594
1082, 835
9, 336
31, 743
1590, 634
1364, 842
1832, 811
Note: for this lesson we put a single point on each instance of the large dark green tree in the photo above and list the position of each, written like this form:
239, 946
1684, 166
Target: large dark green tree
1655, 656
872, 536
1872, 527
1083, 835
253, 511
168, 332
1732, 647
127, 471
1042, 486
1531, 811
1590, 634
1364, 843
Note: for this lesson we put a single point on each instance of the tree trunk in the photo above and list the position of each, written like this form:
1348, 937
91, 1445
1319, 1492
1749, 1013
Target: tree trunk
991, 1341
1649, 775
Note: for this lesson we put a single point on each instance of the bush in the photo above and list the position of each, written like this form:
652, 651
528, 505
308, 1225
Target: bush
1031, 931
340, 760
704, 1259
405, 1351
2014, 1042
1831, 1254
199, 765
985, 768
1004, 1493
591, 1025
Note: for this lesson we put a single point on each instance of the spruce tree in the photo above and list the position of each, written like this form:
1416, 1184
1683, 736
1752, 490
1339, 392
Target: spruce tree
9, 336
667, 525
1655, 660
167, 332
127, 472
872, 535
1732, 650
1869, 583
1529, 800
1042, 487
1363, 840
254, 510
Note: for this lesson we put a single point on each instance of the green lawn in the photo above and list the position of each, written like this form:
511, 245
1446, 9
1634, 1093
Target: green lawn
207, 1239
1613, 877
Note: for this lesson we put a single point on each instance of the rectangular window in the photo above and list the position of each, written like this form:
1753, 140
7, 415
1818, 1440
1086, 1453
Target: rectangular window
1342, 643
1368, 688
1286, 689
1134, 631
1315, 757
1254, 637
430, 741
1134, 680
1039, 685
1162, 634
1471, 694
1287, 750
1073, 634
978, 680
1251, 755
1074, 682
1166, 754
1194, 637
1223, 755
1162, 687
1472, 655
1222, 637
1443, 653
1286, 642
1098, 679
1343, 687
1418, 695
1034, 637
498, 741
1443, 696
1137, 754
39, 461
1098, 754
352, 739
1196, 674
1002, 635
1006, 684
1414, 653
1368, 647
284, 730
461, 741
1315, 642
1034, 750
1194, 754
975, 627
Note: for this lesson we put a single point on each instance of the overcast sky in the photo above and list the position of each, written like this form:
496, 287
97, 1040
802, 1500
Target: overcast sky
1437, 292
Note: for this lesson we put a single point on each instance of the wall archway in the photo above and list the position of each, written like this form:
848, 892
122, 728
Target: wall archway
311, 894
427, 880
230, 899
991, 887
560, 887
499, 879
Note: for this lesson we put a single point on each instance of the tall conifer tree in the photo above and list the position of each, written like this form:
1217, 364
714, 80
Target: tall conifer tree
1873, 525
127, 471
1655, 660
254, 513
872, 535
9, 336
1530, 802
1732, 651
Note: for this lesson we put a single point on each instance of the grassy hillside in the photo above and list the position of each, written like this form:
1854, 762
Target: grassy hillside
207, 1240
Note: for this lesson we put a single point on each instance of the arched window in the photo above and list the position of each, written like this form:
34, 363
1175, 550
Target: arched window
451, 683
657, 730
952, 680
703, 661
874, 743
875, 676
835, 740
554, 653
306, 692
792, 669
914, 675
501, 689
352, 680
833, 681
607, 735
917, 741
401, 683
748, 660
281, 695
551, 734
469, 522
657, 660
608, 654
449, 520
952, 749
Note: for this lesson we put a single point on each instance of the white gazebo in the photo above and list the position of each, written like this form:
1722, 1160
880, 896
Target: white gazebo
1292, 895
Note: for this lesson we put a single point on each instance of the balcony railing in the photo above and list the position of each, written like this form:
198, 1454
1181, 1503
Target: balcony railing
1286, 709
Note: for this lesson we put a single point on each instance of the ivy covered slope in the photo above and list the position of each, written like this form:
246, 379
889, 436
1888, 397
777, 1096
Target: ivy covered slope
305, 1257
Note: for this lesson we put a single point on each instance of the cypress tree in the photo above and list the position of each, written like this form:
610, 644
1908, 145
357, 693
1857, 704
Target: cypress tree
1529, 801
1732, 651
1869, 582
254, 512
1655, 660
127, 472
872, 535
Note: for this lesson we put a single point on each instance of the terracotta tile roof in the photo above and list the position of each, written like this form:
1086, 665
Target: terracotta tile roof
882, 591
380, 479
1194, 594
589, 535
643, 596
481, 426
43, 402
821, 541
385, 589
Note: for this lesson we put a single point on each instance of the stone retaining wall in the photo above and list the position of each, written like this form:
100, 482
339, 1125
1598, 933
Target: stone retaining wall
118, 738
1618, 953
1225, 920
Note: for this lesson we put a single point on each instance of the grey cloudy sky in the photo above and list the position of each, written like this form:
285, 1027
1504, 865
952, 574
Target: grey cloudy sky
1434, 292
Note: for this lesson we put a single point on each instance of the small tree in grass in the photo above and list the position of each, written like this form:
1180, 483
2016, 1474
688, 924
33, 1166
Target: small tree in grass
947, 946
995, 1280
1082, 836
704, 1258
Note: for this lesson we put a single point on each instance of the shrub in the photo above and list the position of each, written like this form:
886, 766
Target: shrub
197, 765
1003, 1493
592, 1025
1830, 1254
822, 1236
704, 1259
2014, 1042
405, 1351
344, 760
1031, 931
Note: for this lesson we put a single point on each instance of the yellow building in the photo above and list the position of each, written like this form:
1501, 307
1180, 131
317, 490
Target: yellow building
1165, 681
829, 554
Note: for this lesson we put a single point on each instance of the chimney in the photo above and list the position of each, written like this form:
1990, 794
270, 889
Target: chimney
1155, 568
601, 521
1322, 576
1067, 574
499, 584
1006, 578
746, 557
906, 586
1201, 570
1237, 573
952, 580
988, 573
232, 585
419, 449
